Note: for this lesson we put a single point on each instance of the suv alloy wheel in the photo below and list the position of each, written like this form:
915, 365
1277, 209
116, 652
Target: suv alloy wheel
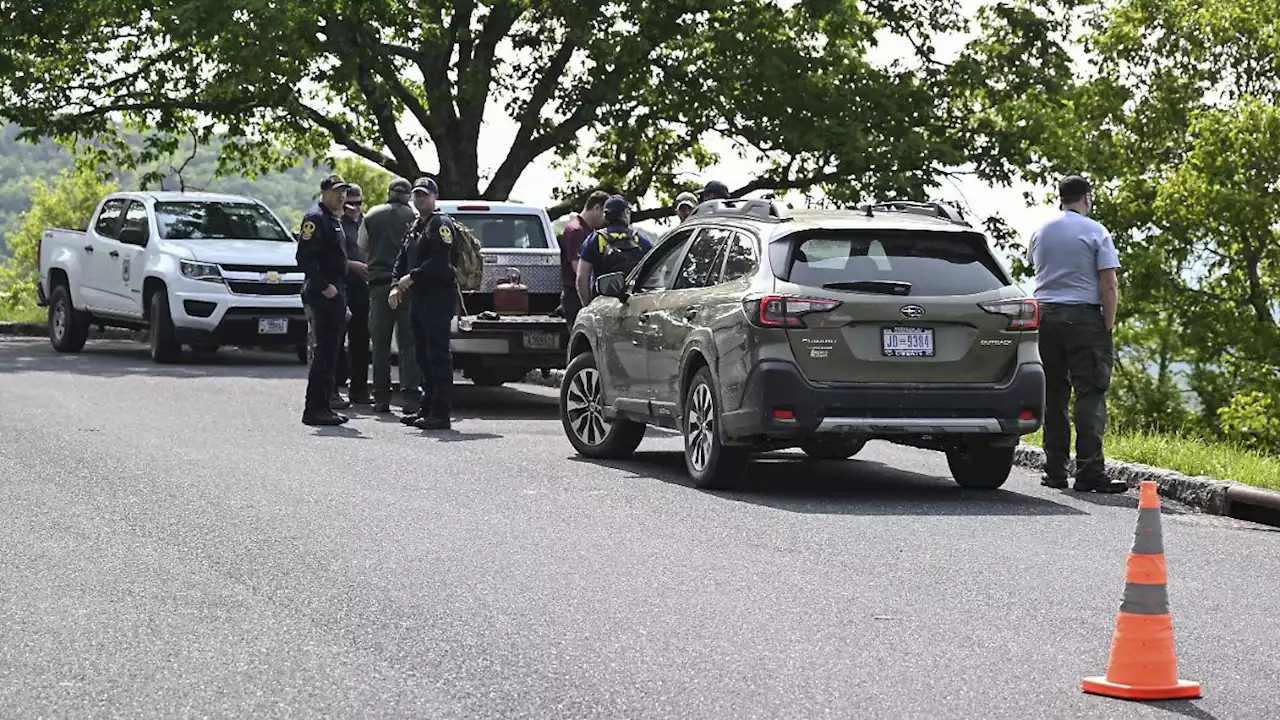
582, 413
711, 464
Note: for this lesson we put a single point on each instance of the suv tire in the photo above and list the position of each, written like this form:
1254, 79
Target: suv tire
833, 449
981, 467
68, 327
164, 341
711, 464
590, 433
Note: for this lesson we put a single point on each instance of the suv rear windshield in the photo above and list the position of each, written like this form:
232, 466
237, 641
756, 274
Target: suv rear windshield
922, 264
191, 220
505, 231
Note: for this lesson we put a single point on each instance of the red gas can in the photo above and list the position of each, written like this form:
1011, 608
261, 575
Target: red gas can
511, 297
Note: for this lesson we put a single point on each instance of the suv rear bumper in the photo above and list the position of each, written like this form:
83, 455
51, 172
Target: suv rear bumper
871, 410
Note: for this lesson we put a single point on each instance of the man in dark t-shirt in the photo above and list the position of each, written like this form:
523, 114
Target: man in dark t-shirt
579, 228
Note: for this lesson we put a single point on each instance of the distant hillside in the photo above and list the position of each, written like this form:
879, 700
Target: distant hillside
21, 163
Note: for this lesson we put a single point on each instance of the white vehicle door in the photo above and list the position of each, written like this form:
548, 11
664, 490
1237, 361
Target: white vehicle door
132, 240
101, 269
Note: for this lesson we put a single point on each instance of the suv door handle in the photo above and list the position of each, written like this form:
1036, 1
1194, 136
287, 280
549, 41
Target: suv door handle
88, 248
114, 253
692, 311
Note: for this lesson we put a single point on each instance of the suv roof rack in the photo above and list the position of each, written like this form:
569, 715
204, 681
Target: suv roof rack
770, 210
929, 209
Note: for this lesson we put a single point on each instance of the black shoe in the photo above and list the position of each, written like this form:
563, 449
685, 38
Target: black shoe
412, 408
361, 397
409, 419
382, 408
322, 419
337, 402
1110, 487
341, 418
1049, 481
433, 423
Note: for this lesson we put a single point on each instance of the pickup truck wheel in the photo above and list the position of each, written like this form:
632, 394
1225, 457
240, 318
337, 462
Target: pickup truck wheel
68, 327
582, 414
833, 449
981, 467
163, 338
711, 464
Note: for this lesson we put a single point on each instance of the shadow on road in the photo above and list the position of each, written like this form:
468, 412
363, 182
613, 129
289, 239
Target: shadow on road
120, 358
852, 487
1185, 708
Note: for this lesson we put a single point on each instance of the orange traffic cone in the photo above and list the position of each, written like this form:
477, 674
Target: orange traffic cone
1142, 664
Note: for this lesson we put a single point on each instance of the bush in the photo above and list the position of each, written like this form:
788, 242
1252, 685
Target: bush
1252, 419
67, 202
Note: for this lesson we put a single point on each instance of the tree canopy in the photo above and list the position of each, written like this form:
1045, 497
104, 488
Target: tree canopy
645, 82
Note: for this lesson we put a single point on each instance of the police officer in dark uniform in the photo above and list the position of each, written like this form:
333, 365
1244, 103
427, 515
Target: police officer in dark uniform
425, 271
322, 256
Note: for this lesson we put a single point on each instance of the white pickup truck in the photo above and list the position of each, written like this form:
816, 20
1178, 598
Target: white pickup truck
193, 269
515, 239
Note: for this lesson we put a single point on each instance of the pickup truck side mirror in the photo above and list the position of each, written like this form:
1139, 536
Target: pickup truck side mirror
133, 236
612, 285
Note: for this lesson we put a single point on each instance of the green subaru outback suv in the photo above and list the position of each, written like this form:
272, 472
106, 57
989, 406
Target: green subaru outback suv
750, 328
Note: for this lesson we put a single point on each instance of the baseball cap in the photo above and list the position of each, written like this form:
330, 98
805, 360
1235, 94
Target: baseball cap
686, 198
1074, 186
426, 185
715, 188
354, 194
334, 182
616, 205
400, 185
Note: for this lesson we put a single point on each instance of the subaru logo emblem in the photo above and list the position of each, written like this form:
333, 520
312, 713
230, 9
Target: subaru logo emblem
912, 312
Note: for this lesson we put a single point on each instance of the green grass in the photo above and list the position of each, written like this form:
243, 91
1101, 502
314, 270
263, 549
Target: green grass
1190, 456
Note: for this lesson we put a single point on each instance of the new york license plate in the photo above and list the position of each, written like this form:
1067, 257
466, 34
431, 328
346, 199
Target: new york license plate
907, 342
273, 326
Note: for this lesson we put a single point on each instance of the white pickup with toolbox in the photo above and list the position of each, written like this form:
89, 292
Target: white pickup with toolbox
515, 238
194, 269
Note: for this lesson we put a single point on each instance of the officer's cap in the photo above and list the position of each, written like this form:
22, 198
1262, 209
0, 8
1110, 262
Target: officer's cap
686, 198
400, 185
1074, 187
616, 205
334, 182
426, 186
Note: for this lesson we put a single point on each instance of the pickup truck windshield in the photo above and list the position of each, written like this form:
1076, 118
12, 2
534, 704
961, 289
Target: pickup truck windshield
189, 220
505, 231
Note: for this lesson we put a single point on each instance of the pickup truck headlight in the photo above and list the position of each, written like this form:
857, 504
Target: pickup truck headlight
201, 271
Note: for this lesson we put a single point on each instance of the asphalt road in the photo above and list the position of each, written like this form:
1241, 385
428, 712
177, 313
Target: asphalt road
174, 543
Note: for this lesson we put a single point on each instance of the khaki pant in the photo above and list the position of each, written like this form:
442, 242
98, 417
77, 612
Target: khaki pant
382, 322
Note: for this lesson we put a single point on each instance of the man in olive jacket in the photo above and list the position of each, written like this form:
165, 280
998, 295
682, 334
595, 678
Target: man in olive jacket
381, 236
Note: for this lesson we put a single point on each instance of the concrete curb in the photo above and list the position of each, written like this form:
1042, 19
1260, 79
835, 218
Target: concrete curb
42, 330
1218, 497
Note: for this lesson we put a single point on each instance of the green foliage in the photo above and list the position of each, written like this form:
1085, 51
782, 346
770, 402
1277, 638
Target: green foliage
66, 202
1253, 419
624, 92
373, 180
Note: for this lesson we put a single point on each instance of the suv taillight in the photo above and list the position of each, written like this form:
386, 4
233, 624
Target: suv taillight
1023, 313
779, 311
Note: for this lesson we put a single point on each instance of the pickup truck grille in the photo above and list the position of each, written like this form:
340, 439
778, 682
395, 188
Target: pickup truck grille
241, 287
258, 268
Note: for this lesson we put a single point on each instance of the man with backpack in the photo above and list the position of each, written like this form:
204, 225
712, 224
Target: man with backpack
433, 262
617, 247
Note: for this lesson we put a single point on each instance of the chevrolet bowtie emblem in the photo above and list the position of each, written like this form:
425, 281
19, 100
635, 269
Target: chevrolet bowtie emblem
271, 277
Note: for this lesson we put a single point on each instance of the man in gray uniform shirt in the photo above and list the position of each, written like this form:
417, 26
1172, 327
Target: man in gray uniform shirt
1075, 267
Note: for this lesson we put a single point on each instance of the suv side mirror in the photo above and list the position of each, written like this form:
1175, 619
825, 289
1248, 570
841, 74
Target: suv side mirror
612, 285
133, 236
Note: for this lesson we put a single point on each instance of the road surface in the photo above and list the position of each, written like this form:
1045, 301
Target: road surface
175, 543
